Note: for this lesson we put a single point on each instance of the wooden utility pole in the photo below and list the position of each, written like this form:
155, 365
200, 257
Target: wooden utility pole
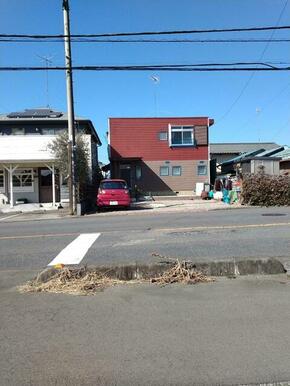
70, 109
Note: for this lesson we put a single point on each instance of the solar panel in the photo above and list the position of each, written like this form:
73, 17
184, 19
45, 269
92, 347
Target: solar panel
35, 113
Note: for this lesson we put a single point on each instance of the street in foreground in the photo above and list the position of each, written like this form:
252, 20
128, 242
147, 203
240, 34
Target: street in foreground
226, 332
232, 331
133, 237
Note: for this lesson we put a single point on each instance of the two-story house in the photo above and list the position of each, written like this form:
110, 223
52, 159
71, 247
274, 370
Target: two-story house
160, 155
27, 166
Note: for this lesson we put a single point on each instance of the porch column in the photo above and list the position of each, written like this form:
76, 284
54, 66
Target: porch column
53, 185
10, 170
11, 186
52, 169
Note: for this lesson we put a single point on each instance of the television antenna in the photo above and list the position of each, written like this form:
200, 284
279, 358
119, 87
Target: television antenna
47, 60
155, 79
258, 112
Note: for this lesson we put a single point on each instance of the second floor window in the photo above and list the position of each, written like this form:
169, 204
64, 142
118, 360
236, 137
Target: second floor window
181, 135
164, 171
163, 135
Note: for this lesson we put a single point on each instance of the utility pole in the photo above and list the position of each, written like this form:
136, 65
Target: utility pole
70, 109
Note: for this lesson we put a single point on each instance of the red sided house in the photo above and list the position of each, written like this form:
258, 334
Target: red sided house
160, 155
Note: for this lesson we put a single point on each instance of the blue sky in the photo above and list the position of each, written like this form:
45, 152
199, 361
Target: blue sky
262, 112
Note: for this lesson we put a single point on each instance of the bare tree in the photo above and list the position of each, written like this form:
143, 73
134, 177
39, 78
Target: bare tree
59, 148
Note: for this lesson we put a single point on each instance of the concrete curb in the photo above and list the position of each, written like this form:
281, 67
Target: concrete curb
219, 268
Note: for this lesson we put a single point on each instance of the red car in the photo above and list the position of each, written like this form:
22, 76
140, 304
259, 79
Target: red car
113, 193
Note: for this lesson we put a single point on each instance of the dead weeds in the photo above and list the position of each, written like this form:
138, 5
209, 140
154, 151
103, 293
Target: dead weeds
74, 281
88, 281
181, 272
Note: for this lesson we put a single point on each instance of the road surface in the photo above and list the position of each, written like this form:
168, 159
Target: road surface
128, 238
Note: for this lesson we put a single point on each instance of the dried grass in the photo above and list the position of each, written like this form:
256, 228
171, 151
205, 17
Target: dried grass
88, 281
74, 281
181, 272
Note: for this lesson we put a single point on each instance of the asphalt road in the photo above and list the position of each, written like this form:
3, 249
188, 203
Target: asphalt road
227, 332
230, 332
31, 243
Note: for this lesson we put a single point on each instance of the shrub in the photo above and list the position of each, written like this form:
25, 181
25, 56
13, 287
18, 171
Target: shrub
266, 190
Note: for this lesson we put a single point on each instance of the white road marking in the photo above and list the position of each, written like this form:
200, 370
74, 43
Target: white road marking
13, 215
132, 242
76, 250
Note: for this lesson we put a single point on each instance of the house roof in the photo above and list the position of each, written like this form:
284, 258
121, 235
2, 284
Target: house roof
284, 154
210, 120
271, 152
45, 115
242, 157
240, 147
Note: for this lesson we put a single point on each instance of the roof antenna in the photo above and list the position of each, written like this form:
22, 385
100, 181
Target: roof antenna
156, 80
258, 111
48, 61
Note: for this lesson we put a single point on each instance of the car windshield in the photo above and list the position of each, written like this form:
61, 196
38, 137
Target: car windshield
113, 185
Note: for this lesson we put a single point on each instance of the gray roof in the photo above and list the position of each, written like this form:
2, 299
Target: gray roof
41, 114
44, 115
284, 154
240, 147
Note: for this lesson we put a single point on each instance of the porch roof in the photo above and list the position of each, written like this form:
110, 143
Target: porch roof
25, 150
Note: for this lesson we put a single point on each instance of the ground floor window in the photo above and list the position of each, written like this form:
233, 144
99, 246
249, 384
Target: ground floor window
176, 170
23, 180
201, 170
164, 171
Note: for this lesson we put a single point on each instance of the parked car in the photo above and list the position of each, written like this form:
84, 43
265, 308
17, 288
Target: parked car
113, 193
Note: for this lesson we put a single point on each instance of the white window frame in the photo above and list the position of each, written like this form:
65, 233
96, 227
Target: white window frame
163, 139
163, 175
182, 129
18, 172
174, 167
2, 187
206, 169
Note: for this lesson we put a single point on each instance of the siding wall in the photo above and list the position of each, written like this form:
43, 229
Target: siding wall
139, 137
270, 166
164, 184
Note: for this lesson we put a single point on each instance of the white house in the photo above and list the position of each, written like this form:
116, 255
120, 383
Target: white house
27, 167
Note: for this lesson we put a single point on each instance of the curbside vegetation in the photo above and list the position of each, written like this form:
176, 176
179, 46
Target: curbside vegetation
265, 190
89, 281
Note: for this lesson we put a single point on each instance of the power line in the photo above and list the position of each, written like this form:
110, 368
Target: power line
174, 32
263, 107
254, 71
196, 41
188, 68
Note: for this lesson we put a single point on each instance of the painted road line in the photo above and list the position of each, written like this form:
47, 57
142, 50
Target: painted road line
13, 215
76, 250
37, 236
222, 227
181, 229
